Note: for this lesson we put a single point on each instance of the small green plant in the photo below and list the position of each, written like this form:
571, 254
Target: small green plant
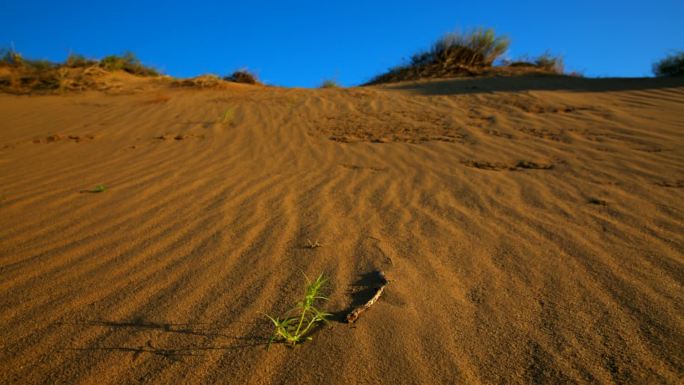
293, 327
672, 65
98, 189
227, 116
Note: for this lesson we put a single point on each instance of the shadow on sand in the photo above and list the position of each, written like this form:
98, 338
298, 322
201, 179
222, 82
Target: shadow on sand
175, 353
532, 83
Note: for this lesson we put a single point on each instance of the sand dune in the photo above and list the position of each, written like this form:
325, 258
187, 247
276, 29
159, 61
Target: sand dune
532, 229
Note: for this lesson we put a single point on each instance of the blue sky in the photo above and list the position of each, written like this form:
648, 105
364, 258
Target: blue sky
301, 43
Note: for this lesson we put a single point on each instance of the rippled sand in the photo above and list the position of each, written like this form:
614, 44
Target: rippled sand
532, 230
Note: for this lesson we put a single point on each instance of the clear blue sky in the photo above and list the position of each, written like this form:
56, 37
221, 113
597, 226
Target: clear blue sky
300, 43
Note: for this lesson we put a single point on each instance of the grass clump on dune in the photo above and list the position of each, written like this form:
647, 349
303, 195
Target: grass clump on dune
468, 54
242, 76
455, 53
79, 61
546, 62
126, 62
295, 325
478, 48
77, 72
329, 83
671, 65
13, 59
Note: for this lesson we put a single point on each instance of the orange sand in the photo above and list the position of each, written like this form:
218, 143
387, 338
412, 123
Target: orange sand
532, 229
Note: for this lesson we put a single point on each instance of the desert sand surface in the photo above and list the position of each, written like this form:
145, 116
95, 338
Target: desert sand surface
532, 230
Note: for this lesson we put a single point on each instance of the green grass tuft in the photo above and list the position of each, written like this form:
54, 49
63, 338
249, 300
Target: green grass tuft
293, 327
228, 116
98, 189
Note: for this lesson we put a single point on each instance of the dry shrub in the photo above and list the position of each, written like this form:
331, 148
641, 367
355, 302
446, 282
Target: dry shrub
79, 61
127, 62
469, 54
203, 81
242, 76
455, 54
74, 74
329, 83
546, 62
671, 65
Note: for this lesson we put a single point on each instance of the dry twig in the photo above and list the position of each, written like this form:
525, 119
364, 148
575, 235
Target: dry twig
355, 313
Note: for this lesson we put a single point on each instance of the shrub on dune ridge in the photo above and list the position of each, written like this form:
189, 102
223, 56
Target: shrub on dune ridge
75, 73
671, 65
78, 61
550, 63
546, 61
471, 53
242, 76
329, 83
11, 58
455, 53
477, 48
127, 62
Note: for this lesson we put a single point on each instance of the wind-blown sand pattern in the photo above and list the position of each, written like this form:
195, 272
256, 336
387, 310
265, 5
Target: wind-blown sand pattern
532, 230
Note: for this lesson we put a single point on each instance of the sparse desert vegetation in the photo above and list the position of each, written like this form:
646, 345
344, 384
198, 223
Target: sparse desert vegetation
546, 62
329, 83
242, 76
471, 53
671, 65
126, 62
76, 73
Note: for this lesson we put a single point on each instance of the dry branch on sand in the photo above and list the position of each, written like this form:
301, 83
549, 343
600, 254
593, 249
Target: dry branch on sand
355, 313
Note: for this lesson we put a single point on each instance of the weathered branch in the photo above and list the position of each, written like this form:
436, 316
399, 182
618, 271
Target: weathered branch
354, 315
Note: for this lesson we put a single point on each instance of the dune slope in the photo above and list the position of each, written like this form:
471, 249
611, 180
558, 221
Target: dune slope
532, 230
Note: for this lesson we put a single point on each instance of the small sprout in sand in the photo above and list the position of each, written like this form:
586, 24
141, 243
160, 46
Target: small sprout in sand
98, 189
294, 326
312, 245
227, 116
